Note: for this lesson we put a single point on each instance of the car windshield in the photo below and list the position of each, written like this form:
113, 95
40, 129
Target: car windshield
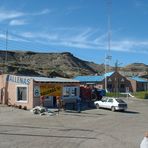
104, 100
120, 101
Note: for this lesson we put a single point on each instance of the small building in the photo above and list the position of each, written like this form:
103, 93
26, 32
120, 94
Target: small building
117, 83
26, 91
114, 81
138, 83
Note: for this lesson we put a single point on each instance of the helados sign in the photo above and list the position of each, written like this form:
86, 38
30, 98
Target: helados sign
17, 79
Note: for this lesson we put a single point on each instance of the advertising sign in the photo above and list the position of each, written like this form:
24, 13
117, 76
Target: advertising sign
50, 90
36, 91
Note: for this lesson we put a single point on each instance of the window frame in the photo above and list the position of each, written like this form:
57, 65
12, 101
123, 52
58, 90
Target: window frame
73, 91
22, 101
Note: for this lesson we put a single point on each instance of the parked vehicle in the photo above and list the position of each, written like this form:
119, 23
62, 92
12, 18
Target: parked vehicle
111, 103
88, 93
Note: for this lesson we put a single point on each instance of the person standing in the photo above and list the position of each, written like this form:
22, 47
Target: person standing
42, 100
78, 104
58, 102
144, 142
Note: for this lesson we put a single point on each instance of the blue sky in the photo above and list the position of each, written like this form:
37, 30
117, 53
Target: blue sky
79, 27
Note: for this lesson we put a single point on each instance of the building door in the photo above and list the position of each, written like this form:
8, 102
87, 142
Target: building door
48, 101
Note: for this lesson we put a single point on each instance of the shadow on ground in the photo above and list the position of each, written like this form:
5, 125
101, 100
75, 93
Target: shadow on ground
130, 112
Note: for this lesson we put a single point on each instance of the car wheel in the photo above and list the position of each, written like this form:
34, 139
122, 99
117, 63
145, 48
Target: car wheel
94, 96
97, 106
113, 108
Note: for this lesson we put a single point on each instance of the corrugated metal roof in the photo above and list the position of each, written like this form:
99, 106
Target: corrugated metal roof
93, 78
138, 79
89, 78
108, 74
55, 79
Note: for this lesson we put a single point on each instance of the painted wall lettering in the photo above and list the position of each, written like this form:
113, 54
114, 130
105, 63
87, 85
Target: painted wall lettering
17, 79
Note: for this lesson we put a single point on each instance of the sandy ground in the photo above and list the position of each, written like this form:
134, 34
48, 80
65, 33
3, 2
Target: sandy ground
94, 128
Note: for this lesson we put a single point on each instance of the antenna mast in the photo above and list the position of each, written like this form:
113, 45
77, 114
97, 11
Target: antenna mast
108, 56
109, 28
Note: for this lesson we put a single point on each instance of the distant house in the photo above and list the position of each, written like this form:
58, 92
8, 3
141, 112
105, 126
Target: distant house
114, 81
117, 83
138, 83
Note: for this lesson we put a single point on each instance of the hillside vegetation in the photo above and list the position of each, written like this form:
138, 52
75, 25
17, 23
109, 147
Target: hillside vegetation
54, 64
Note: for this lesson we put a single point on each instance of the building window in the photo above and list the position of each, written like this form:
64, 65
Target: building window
109, 86
21, 93
73, 91
109, 80
122, 80
66, 91
70, 91
122, 86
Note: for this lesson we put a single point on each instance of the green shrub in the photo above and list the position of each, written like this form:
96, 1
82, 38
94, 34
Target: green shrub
141, 94
114, 94
146, 96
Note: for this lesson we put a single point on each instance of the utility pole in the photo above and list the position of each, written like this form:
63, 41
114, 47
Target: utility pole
6, 52
116, 66
116, 78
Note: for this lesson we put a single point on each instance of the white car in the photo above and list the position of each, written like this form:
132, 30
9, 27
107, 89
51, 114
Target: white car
111, 103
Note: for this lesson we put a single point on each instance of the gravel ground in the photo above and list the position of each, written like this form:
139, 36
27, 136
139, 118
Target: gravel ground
94, 128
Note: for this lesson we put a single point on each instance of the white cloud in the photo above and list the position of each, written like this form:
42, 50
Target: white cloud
79, 40
27, 35
72, 9
84, 35
139, 3
11, 14
39, 36
130, 46
12, 37
6, 15
2, 36
17, 22
141, 6
45, 11
15, 38
87, 38
101, 38
42, 12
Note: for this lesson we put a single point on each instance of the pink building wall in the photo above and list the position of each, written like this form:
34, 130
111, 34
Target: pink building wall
9, 86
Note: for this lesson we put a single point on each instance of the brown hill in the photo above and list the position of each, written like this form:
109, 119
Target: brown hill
56, 64
139, 69
47, 64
